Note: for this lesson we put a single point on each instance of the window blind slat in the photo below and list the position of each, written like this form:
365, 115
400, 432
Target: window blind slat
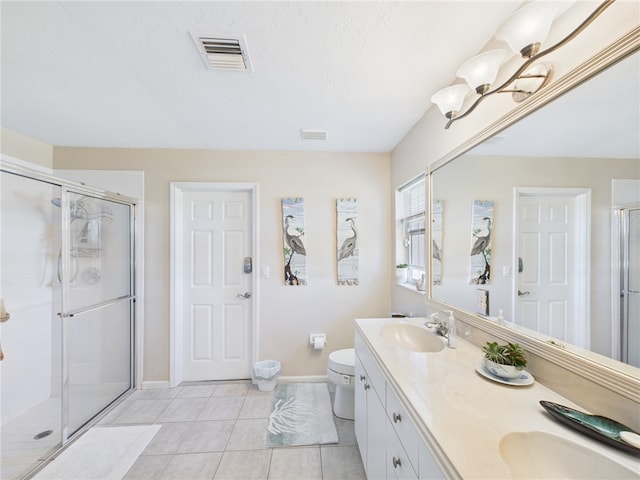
413, 196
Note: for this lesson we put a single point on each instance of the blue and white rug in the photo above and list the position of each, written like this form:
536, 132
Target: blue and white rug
301, 414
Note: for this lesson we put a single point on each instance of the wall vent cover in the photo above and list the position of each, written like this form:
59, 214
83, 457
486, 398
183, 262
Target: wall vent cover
313, 134
223, 52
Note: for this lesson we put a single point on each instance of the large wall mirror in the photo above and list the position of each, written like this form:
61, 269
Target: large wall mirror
556, 198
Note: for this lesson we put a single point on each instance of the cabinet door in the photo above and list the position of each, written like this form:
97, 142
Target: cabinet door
429, 469
376, 443
397, 461
361, 409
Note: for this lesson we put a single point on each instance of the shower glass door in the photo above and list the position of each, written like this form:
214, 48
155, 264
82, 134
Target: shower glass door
97, 306
66, 316
630, 285
30, 334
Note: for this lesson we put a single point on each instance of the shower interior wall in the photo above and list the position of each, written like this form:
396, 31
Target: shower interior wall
30, 232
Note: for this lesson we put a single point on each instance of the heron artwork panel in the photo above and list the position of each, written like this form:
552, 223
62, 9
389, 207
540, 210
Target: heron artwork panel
347, 253
480, 251
436, 242
294, 241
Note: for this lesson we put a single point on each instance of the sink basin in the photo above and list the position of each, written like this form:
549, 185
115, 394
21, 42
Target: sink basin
544, 455
411, 337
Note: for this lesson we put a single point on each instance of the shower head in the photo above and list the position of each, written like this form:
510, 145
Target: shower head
57, 201
76, 207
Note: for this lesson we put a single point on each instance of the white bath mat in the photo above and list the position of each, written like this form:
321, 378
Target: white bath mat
301, 414
103, 453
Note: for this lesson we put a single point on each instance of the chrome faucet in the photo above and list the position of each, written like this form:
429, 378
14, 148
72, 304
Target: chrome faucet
439, 325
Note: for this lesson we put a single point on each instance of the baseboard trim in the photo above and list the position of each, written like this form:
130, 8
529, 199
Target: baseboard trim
156, 384
281, 379
303, 379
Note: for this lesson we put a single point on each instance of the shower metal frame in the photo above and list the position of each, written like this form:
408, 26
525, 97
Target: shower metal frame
622, 231
67, 187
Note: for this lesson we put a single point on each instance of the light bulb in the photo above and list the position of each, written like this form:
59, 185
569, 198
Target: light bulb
481, 71
450, 99
528, 28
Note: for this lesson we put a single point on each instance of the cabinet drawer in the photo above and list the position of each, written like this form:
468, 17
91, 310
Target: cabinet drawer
373, 372
398, 464
403, 427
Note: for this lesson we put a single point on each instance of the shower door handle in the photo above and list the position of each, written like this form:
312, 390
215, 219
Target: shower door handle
96, 306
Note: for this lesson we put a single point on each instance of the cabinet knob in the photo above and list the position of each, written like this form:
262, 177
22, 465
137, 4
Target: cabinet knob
362, 377
396, 462
367, 386
396, 417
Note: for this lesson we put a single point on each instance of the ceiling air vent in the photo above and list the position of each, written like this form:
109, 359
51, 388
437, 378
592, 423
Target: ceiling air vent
313, 134
223, 52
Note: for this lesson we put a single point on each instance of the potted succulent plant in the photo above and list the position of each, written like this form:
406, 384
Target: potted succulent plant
401, 272
505, 361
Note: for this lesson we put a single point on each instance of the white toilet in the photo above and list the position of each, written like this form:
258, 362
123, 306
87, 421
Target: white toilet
340, 372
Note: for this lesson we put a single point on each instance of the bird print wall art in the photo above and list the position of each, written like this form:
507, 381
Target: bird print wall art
436, 242
293, 235
347, 241
480, 253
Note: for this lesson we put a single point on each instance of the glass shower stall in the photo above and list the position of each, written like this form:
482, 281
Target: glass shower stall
66, 311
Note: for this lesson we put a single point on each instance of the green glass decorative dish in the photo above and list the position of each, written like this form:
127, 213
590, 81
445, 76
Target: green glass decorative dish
597, 427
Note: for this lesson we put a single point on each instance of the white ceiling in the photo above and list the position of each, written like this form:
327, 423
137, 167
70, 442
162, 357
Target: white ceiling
127, 74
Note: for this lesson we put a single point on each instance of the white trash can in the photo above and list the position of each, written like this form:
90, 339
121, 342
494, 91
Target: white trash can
265, 374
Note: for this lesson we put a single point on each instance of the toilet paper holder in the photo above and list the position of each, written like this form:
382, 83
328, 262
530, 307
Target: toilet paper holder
318, 340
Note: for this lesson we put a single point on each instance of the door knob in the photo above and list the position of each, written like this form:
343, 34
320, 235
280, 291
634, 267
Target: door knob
244, 295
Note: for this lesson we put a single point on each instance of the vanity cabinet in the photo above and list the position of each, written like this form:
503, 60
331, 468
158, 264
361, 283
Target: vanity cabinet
369, 420
389, 442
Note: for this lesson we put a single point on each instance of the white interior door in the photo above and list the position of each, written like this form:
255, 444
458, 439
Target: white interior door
215, 286
552, 254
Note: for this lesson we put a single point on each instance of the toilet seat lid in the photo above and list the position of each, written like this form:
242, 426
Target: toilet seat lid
343, 361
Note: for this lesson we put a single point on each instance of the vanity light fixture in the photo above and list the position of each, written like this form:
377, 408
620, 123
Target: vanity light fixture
525, 33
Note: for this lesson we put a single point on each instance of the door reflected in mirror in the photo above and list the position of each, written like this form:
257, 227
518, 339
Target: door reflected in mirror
560, 251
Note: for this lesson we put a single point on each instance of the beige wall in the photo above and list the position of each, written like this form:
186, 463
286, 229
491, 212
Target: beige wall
25, 148
287, 314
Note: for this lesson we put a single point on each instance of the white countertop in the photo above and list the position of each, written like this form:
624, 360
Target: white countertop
466, 413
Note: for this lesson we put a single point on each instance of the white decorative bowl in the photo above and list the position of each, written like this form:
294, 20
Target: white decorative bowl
502, 371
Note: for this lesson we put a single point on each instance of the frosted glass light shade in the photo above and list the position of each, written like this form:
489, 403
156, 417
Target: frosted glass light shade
450, 99
481, 71
529, 27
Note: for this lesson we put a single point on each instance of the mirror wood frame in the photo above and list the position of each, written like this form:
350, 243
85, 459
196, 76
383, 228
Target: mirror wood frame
611, 374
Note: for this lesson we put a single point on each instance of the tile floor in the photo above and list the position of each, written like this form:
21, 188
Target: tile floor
218, 431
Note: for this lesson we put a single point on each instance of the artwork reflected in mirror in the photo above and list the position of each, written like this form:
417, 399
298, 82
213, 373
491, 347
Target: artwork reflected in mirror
559, 179
480, 256
436, 242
